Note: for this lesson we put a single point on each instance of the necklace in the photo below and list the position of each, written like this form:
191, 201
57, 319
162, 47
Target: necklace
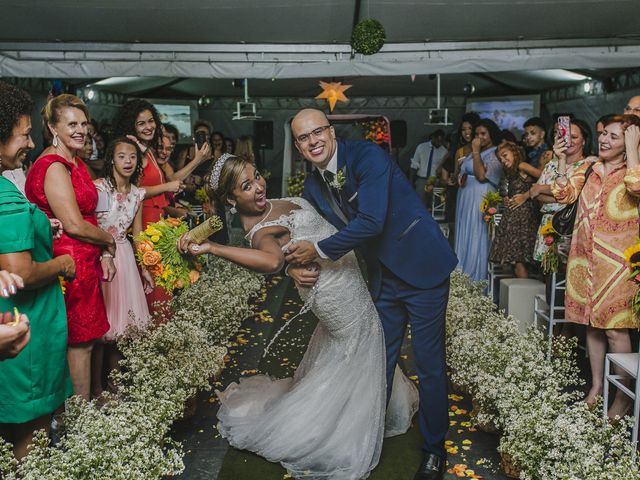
262, 219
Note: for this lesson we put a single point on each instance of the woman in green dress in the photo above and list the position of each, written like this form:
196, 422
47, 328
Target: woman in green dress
36, 381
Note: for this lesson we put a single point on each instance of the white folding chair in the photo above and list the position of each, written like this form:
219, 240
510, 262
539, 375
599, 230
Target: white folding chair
628, 365
550, 312
438, 203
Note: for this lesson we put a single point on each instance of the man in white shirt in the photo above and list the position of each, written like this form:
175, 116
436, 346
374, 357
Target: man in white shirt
426, 161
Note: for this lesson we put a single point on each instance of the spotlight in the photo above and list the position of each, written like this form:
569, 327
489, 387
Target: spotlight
587, 87
238, 83
468, 89
91, 94
204, 101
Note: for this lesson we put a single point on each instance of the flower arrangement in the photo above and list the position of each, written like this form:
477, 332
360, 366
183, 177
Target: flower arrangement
550, 258
431, 183
368, 37
156, 251
547, 433
632, 255
376, 131
296, 184
164, 366
489, 206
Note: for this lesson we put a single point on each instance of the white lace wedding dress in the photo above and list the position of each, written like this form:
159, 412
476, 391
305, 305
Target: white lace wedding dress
328, 421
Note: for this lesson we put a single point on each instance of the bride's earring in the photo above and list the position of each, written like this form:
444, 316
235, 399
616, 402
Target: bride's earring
233, 210
55, 141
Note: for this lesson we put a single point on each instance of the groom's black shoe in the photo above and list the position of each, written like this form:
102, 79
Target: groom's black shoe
431, 468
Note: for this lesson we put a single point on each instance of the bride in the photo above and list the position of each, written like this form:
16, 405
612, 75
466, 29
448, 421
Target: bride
328, 421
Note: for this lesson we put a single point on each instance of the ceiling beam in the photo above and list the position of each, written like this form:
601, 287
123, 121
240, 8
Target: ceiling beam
58, 60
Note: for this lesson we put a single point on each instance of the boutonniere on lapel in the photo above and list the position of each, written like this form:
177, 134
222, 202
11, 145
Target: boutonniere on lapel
339, 180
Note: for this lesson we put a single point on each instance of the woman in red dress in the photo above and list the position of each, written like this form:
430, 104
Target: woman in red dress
60, 185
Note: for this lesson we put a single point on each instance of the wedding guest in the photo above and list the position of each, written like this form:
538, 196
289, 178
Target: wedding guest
36, 381
576, 152
426, 161
534, 139
60, 185
516, 232
201, 135
217, 145
633, 106
244, 149
480, 172
598, 291
125, 296
229, 145
172, 132
85, 154
139, 121
460, 148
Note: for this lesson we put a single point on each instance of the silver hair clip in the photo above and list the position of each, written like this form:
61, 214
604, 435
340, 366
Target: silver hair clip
217, 170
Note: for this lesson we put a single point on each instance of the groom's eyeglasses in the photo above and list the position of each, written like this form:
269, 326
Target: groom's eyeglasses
305, 137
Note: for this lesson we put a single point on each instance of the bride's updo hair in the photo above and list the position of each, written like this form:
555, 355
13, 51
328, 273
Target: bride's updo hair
226, 181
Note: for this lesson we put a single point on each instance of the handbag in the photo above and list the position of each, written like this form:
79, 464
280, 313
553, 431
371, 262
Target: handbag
563, 220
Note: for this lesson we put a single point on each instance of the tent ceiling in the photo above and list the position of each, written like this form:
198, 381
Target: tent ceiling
188, 48
312, 21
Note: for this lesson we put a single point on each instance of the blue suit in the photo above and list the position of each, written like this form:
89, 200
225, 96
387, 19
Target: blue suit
408, 264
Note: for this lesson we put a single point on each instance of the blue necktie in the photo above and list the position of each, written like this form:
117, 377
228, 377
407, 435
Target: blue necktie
430, 161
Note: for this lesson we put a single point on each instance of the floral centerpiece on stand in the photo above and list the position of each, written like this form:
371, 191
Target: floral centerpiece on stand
489, 207
376, 131
156, 251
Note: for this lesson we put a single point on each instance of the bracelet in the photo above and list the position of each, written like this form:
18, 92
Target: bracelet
106, 255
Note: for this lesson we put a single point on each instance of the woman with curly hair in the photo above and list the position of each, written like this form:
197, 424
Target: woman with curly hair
124, 297
36, 382
516, 233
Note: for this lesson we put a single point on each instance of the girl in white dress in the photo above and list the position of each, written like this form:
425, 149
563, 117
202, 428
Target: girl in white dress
121, 200
328, 421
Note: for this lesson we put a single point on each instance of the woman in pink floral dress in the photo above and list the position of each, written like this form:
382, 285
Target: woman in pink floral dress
125, 296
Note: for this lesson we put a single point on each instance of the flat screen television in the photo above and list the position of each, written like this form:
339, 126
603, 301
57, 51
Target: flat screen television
508, 112
179, 113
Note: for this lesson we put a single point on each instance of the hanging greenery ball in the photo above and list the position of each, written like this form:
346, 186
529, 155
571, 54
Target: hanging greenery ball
368, 37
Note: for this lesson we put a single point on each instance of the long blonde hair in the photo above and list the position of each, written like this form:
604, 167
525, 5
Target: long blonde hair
244, 148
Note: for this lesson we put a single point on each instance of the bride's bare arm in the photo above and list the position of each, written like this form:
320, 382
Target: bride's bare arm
265, 257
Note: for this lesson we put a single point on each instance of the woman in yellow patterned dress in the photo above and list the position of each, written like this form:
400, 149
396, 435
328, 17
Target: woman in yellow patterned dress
598, 291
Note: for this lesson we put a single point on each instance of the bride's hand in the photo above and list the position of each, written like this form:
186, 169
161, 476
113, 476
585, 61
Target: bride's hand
184, 243
304, 276
204, 247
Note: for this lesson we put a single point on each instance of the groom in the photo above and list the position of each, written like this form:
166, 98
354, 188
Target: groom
357, 187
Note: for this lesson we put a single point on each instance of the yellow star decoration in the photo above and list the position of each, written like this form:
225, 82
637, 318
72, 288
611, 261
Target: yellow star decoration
333, 92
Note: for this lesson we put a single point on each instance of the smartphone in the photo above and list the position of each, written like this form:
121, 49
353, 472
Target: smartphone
200, 138
564, 128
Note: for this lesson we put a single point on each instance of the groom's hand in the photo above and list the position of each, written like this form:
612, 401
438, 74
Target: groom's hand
304, 276
302, 252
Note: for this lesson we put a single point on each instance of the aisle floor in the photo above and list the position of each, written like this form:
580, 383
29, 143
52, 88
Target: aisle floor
472, 454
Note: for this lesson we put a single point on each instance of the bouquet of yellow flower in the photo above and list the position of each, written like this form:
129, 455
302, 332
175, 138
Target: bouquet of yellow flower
431, 183
201, 195
156, 250
489, 206
550, 258
632, 255
296, 184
